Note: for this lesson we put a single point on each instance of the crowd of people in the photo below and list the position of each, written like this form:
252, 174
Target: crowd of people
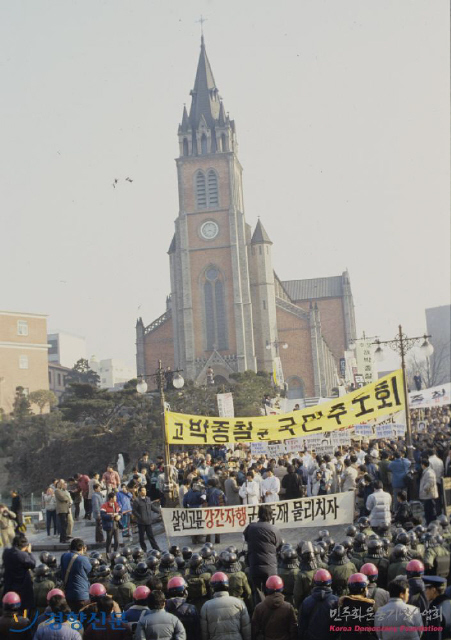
390, 569
384, 577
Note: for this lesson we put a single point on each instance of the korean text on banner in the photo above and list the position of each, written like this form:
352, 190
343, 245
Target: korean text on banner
432, 397
337, 508
380, 398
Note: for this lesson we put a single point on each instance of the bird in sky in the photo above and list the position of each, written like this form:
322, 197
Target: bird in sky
128, 179
115, 183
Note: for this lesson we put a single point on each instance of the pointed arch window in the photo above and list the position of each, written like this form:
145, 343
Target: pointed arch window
203, 145
213, 199
215, 312
201, 190
185, 147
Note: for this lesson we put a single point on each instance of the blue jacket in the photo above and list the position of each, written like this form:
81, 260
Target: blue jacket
124, 500
46, 632
215, 496
314, 615
96, 501
192, 499
77, 585
17, 565
158, 624
398, 469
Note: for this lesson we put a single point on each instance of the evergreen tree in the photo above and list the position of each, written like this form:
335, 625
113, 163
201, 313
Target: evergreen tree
21, 406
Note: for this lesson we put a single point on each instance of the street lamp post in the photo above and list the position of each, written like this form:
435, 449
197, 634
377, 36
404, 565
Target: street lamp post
141, 387
276, 344
402, 344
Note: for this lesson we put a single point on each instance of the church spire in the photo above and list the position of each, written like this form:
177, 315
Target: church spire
207, 129
205, 98
260, 236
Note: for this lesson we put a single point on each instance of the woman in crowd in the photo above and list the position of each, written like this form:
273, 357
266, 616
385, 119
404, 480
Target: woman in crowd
49, 501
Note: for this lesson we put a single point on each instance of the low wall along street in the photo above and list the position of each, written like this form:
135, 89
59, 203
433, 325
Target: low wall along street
381, 398
337, 508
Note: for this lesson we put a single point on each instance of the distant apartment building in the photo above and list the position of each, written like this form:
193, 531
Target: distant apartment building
113, 373
57, 379
66, 348
438, 322
23, 355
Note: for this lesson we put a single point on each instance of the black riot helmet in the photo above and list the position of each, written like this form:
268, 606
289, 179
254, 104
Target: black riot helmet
187, 552
351, 531
42, 571
195, 561
167, 560
119, 573
206, 553
402, 538
140, 570
152, 563
400, 552
138, 554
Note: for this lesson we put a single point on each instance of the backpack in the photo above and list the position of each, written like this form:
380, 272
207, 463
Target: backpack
216, 498
196, 588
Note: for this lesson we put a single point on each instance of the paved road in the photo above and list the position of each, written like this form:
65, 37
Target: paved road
86, 531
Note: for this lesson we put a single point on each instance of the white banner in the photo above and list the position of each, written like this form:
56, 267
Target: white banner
337, 508
365, 430
278, 372
294, 445
433, 397
259, 448
225, 405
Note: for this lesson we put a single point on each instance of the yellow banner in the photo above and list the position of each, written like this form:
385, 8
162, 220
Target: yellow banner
372, 401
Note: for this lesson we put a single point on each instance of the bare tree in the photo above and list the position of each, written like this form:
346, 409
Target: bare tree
434, 370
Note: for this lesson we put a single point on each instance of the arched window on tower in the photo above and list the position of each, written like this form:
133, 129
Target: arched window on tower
223, 142
185, 147
201, 190
213, 199
215, 313
203, 144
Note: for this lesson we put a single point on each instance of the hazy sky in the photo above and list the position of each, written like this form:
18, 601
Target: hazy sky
342, 114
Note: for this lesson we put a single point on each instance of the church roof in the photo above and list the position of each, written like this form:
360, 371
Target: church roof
314, 288
260, 236
205, 97
172, 246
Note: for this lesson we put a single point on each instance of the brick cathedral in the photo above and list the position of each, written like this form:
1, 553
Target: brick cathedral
227, 308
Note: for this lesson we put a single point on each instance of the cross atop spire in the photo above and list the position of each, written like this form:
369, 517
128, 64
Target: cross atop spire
201, 21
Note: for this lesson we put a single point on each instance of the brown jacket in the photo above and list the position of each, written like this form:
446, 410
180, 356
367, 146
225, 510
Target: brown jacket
63, 501
274, 619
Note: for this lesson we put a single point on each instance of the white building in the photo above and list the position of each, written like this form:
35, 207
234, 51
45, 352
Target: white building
113, 373
66, 348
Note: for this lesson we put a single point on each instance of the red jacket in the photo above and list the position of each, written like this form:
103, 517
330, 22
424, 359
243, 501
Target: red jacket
83, 485
108, 508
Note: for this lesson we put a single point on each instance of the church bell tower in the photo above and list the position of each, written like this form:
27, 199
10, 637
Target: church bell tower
210, 289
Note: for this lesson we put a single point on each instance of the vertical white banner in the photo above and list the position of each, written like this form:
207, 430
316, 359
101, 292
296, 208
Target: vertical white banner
225, 405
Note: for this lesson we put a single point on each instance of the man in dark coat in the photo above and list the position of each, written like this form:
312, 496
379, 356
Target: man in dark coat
142, 510
292, 483
439, 612
315, 612
263, 539
16, 507
274, 619
17, 562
